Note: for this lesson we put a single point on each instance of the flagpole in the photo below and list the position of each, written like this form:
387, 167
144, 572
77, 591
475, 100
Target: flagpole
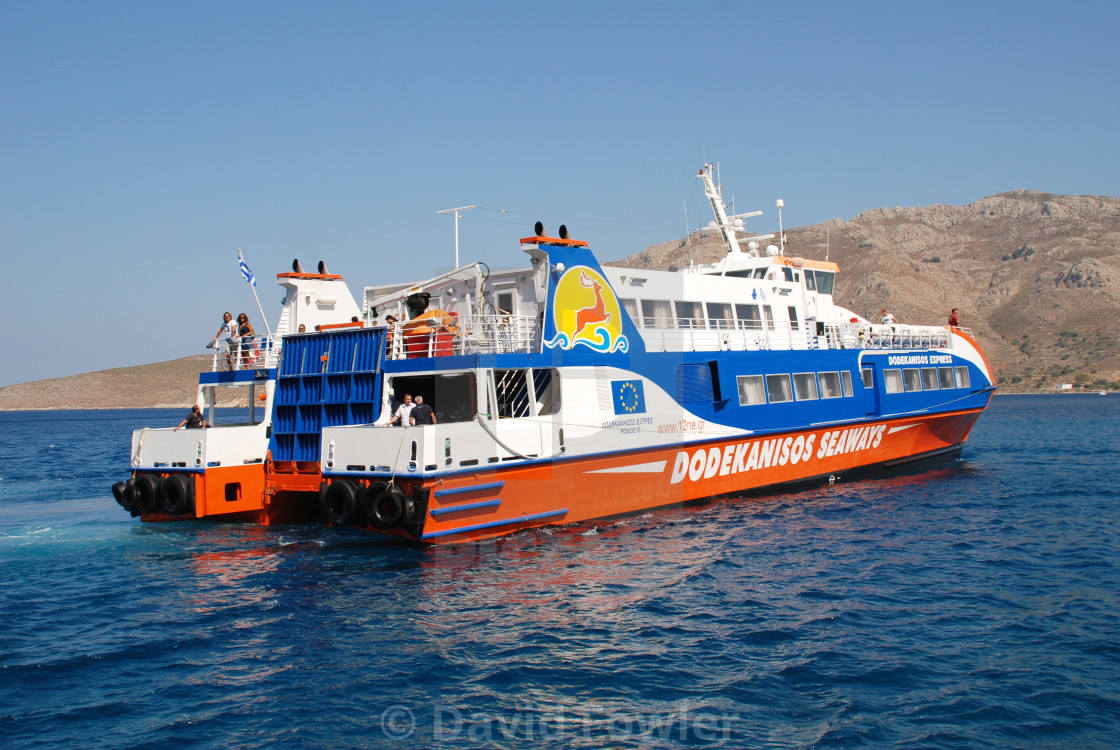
258, 299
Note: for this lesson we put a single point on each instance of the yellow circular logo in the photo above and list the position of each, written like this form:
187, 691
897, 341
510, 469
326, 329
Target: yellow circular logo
586, 311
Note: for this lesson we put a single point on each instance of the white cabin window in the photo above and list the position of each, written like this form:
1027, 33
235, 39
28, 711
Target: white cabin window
913, 378
752, 390
846, 379
929, 378
631, 308
689, 314
962, 378
768, 317
719, 315
893, 380
749, 317
657, 313
805, 385
505, 303
778, 387
830, 385
792, 316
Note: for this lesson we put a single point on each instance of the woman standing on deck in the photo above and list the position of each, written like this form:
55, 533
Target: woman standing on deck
246, 332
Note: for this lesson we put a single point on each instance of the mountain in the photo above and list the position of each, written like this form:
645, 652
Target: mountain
1036, 276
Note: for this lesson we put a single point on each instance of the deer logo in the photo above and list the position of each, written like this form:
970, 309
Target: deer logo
595, 314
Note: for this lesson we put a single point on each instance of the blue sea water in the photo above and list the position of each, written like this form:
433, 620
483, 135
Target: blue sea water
975, 604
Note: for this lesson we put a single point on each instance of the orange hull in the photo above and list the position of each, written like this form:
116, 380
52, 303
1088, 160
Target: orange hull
488, 504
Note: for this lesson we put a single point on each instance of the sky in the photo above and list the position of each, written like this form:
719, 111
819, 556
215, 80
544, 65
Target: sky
142, 144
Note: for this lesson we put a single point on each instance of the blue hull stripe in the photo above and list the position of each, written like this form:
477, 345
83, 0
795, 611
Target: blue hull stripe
467, 506
472, 488
493, 524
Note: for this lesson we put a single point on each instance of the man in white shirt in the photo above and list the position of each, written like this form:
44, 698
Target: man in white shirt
403, 412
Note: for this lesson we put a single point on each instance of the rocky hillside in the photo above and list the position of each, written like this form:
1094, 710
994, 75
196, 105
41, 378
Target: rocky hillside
1036, 277
161, 385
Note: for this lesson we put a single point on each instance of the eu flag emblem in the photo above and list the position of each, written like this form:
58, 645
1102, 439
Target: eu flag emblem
628, 397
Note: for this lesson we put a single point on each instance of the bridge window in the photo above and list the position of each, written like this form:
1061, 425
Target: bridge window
805, 385
752, 390
778, 387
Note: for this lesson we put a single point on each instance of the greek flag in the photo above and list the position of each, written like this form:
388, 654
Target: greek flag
245, 272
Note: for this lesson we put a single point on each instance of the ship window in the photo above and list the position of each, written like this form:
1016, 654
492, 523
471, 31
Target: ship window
868, 377
752, 390
760, 273
451, 395
805, 384
893, 380
846, 380
631, 308
768, 317
830, 385
512, 393
929, 378
689, 315
945, 374
787, 273
749, 317
962, 378
825, 280
792, 316
779, 389
719, 315
656, 313
810, 280
546, 387
913, 378
505, 303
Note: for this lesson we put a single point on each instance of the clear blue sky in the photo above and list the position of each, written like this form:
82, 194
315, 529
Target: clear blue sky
144, 142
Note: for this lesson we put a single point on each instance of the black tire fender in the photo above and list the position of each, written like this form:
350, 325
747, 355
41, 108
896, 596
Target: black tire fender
175, 491
340, 503
147, 493
386, 509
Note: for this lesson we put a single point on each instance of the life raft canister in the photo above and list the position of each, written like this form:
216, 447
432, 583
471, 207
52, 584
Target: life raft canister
431, 333
340, 503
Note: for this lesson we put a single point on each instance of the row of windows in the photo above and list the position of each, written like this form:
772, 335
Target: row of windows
809, 386
923, 379
802, 386
659, 313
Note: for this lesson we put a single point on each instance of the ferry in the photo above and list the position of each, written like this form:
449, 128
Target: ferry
562, 391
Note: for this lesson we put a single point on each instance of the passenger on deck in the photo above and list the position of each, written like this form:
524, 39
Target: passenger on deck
194, 419
246, 332
391, 322
954, 321
887, 318
302, 328
228, 333
403, 412
422, 413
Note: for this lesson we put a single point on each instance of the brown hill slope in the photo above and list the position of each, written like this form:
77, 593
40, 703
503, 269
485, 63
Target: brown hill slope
1036, 276
163, 384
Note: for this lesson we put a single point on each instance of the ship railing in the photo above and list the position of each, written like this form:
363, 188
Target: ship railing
452, 334
699, 334
262, 353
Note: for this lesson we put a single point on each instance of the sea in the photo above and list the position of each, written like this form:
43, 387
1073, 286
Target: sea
970, 604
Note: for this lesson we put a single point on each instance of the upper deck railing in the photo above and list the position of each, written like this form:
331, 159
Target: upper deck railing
447, 335
699, 334
263, 352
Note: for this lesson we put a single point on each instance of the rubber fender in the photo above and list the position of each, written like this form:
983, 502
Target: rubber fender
147, 493
340, 503
387, 509
368, 495
177, 494
118, 494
